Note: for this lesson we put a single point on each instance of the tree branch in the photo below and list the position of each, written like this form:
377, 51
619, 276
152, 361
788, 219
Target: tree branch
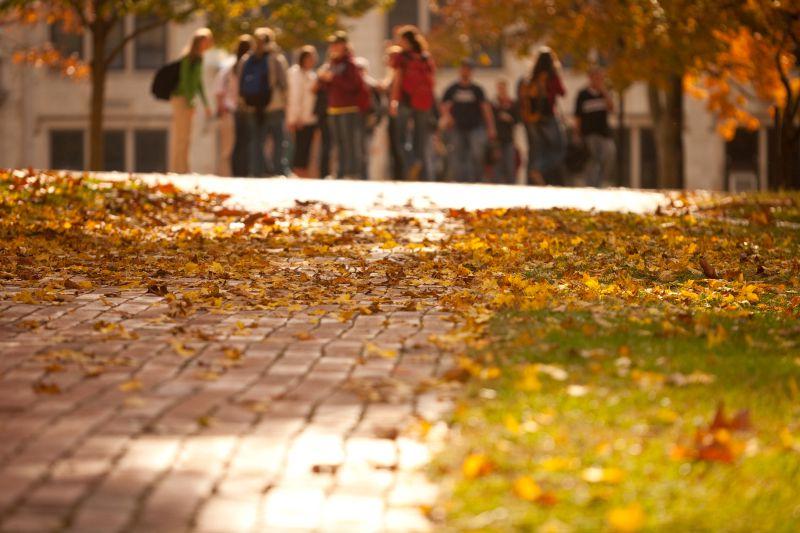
143, 29
79, 9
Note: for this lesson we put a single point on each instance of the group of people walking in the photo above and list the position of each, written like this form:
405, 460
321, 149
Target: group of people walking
270, 115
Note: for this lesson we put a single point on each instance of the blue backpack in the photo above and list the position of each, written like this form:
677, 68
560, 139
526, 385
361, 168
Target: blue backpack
254, 84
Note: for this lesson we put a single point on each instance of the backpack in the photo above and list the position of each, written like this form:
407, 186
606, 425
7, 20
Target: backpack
417, 83
371, 105
254, 84
166, 80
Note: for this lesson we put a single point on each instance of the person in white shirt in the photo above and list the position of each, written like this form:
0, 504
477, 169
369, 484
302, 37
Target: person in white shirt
300, 118
226, 89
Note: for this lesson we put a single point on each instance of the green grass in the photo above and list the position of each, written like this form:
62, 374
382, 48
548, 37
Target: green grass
630, 424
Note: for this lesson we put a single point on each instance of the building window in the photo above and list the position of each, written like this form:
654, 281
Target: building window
403, 12
150, 48
151, 150
66, 42
115, 37
114, 150
67, 149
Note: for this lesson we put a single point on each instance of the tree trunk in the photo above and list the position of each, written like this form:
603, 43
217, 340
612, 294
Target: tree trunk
788, 143
621, 170
666, 108
788, 146
97, 99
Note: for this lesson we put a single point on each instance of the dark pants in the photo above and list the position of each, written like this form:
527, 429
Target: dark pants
240, 159
550, 143
348, 136
325, 147
420, 154
468, 154
396, 150
278, 162
302, 146
505, 167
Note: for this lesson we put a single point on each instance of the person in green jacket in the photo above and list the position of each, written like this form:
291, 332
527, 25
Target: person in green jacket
190, 87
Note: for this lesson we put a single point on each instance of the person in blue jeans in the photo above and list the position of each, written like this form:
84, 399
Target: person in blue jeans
344, 85
268, 122
538, 96
592, 108
468, 115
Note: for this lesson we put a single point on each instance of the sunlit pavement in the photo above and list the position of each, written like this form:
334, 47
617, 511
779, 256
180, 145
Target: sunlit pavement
262, 194
304, 434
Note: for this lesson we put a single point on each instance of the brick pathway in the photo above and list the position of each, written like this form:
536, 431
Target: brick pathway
300, 427
118, 412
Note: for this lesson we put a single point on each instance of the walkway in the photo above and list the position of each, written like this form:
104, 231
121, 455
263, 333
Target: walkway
120, 411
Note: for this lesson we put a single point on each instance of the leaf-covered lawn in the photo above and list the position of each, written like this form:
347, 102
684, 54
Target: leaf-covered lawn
641, 373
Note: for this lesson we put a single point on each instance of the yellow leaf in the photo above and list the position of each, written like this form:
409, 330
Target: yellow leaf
787, 439
511, 423
475, 465
191, 268
217, 268
131, 385
234, 354
205, 421
371, 349
627, 519
527, 489
207, 375
596, 474
179, 348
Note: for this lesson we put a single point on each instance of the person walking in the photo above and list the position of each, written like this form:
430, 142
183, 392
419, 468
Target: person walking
506, 117
412, 100
591, 124
538, 100
262, 84
372, 107
468, 114
227, 93
278, 161
300, 118
344, 85
190, 86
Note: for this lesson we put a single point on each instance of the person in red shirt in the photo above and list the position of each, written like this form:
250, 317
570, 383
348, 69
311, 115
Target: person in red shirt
538, 95
344, 85
412, 100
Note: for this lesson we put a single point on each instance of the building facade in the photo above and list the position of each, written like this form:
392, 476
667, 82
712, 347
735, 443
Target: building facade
44, 116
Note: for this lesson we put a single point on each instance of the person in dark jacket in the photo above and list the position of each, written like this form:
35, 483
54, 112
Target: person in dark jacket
506, 117
343, 82
538, 96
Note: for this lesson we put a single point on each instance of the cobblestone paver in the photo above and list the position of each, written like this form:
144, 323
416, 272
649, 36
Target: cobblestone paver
113, 418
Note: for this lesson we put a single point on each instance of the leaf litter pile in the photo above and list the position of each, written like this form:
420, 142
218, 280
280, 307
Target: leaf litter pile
622, 372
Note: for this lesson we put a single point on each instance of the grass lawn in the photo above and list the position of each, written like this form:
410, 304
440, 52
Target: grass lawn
642, 374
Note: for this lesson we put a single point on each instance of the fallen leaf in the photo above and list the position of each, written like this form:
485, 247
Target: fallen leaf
527, 489
476, 465
627, 519
130, 385
42, 387
596, 474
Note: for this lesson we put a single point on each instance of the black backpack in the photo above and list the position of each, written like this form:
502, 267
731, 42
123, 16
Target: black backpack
166, 80
254, 84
